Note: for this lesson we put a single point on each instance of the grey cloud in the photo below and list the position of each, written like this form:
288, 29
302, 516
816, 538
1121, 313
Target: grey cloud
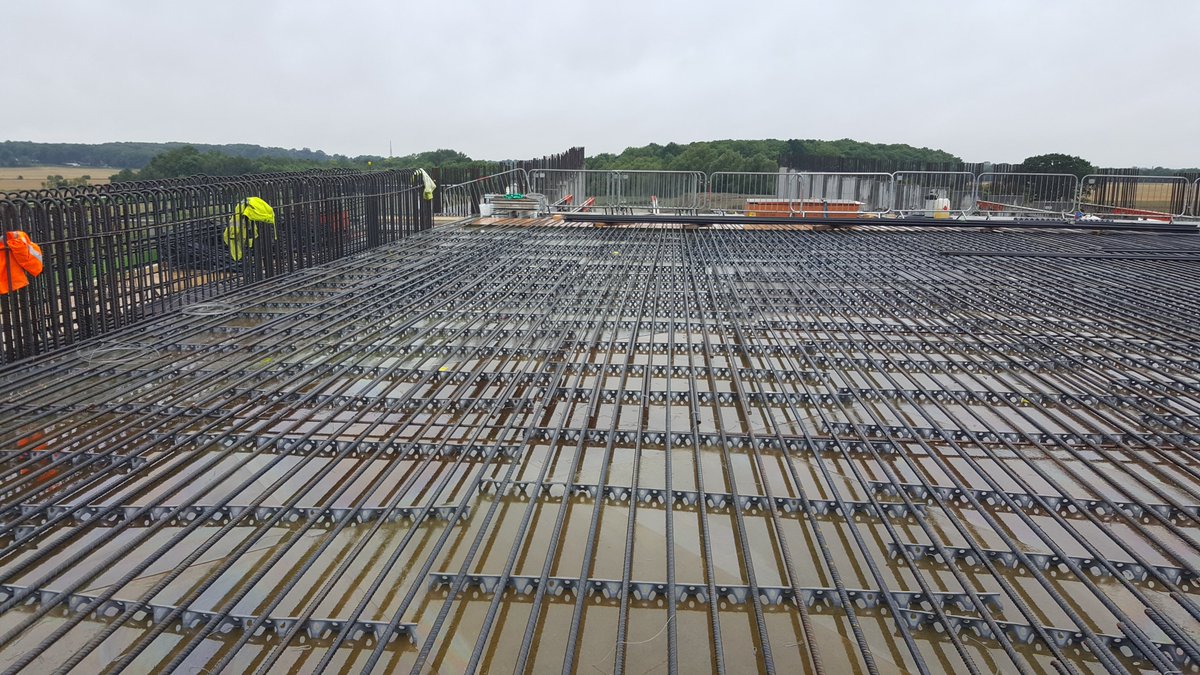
1113, 82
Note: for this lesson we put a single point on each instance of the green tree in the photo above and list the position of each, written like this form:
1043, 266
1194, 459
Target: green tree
185, 161
123, 175
191, 161
1057, 163
694, 157
1046, 189
57, 181
756, 155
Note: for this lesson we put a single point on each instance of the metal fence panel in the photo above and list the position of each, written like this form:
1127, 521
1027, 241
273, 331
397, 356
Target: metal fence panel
575, 189
1192, 209
463, 199
659, 191
1155, 197
1012, 194
912, 190
765, 193
835, 194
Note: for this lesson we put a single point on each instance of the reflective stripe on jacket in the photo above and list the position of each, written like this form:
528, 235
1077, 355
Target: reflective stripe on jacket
21, 257
27, 254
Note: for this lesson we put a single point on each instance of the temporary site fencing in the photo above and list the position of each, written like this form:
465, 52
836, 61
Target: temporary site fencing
576, 189
571, 190
742, 192
1136, 195
655, 191
837, 194
118, 254
1047, 194
912, 189
463, 199
473, 180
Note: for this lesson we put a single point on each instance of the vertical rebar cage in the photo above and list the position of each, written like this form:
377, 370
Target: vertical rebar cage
119, 254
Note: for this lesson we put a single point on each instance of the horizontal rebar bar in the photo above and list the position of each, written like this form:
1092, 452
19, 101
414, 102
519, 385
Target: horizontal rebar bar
364, 632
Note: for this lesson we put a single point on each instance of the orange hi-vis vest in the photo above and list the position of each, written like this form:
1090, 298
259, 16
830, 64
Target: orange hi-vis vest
21, 257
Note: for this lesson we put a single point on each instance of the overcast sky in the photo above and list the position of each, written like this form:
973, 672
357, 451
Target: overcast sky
1115, 82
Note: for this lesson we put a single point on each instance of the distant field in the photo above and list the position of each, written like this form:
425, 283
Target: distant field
34, 175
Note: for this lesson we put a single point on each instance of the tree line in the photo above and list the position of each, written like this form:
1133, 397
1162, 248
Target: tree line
134, 155
171, 160
193, 161
756, 155
706, 157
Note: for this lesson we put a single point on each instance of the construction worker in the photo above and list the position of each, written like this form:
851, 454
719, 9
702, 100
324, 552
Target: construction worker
242, 230
21, 259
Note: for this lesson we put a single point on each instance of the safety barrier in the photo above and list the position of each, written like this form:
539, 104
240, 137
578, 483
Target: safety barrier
1151, 197
837, 194
659, 191
912, 191
612, 192
571, 189
841, 194
117, 255
742, 193
463, 199
1021, 194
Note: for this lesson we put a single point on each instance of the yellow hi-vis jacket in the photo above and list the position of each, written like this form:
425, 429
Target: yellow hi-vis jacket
243, 226
21, 257
427, 181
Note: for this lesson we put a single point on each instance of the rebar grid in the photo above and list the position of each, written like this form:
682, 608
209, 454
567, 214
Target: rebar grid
568, 449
